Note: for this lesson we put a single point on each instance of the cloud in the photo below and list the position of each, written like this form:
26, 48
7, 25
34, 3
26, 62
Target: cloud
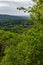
17, 0
14, 4
10, 6
4, 5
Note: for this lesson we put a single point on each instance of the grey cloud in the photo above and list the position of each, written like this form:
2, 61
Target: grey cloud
12, 8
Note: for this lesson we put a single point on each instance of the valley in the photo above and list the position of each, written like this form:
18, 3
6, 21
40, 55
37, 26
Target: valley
17, 24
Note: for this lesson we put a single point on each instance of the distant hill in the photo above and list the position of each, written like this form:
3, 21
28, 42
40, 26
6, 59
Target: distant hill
7, 17
16, 24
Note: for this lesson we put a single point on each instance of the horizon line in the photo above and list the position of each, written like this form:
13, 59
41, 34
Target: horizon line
13, 15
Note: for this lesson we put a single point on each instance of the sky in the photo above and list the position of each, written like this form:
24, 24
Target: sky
10, 7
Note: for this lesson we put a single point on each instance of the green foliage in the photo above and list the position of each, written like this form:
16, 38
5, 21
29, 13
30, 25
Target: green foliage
18, 25
25, 48
29, 49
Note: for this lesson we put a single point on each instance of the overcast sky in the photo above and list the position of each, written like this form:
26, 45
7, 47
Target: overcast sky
10, 6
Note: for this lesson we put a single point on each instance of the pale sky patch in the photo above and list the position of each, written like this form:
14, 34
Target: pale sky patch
4, 5
10, 6
17, 0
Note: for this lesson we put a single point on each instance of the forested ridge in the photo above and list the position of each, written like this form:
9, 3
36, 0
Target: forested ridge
26, 47
17, 25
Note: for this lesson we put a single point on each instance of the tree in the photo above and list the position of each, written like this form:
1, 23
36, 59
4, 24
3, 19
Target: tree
36, 11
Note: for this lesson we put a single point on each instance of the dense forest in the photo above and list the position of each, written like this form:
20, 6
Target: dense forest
21, 43
17, 25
